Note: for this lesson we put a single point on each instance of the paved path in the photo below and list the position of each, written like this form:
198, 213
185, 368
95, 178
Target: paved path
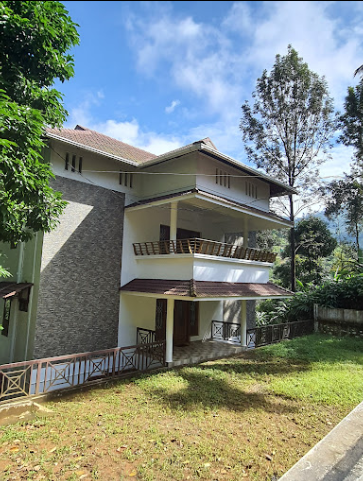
337, 457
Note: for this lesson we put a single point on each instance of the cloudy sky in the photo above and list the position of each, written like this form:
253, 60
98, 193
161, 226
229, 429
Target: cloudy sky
159, 75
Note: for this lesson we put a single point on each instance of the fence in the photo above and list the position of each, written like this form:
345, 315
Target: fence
41, 376
262, 336
338, 322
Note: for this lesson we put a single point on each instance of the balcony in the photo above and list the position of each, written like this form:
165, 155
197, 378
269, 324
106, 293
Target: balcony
202, 247
201, 260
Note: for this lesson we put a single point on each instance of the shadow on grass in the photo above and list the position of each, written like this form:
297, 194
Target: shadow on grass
222, 385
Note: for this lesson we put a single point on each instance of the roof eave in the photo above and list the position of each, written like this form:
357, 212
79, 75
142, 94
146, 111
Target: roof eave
201, 147
91, 149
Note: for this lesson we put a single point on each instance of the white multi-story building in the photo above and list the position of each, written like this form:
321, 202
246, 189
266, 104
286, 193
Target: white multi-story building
163, 244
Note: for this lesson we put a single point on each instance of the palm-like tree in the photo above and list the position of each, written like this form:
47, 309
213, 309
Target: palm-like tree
359, 71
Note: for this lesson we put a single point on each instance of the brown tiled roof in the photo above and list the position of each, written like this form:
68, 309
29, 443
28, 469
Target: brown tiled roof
103, 143
10, 289
205, 289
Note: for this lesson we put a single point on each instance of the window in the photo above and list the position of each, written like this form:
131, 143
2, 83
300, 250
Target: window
6, 318
125, 178
223, 178
251, 190
75, 165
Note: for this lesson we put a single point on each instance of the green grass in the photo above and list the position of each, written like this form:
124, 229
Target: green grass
248, 417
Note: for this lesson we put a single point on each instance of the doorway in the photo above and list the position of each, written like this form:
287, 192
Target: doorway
186, 321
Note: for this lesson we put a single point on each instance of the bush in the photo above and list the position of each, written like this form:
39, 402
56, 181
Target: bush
343, 293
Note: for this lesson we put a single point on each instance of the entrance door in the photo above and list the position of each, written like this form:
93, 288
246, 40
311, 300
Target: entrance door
186, 322
181, 324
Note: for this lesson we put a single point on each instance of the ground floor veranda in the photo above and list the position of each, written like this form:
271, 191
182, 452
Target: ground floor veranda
197, 320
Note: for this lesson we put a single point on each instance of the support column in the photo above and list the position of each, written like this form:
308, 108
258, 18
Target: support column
244, 323
169, 330
245, 232
173, 220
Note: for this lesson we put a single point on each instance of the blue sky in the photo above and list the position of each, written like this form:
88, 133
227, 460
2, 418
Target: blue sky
159, 75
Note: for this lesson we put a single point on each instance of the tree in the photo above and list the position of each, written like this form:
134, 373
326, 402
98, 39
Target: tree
351, 122
313, 243
34, 39
288, 131
346, 197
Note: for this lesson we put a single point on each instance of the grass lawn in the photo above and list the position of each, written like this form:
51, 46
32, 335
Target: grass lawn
248, 417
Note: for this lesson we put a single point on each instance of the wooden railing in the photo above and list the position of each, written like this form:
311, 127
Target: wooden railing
262, 336
144, 336
226, 331
40, 376
202, 246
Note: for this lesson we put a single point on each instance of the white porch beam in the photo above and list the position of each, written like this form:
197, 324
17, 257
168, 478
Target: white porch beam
169, 330
244, 323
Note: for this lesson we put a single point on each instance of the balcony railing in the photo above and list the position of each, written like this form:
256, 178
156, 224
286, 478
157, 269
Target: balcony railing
202, 246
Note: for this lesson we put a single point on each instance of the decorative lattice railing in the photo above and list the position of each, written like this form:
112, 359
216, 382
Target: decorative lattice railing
40, 376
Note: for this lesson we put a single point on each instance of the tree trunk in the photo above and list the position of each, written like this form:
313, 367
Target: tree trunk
292, 247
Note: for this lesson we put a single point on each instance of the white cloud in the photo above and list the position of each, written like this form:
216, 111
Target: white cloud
172, 106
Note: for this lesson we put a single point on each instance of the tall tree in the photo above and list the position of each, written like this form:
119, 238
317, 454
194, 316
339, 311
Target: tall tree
289, 130
34, 40
345, 197
313, 244
351, 123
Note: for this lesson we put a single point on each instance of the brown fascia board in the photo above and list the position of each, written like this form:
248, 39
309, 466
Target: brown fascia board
277, 188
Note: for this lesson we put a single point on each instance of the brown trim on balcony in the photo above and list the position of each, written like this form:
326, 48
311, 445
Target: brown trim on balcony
204, 247
205, 289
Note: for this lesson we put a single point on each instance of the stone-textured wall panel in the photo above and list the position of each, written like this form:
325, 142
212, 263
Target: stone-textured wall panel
78, 304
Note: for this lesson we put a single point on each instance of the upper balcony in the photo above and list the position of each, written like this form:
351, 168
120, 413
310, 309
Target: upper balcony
202, 247
202, 259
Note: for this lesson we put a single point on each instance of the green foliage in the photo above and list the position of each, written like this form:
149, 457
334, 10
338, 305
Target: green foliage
346, 197
351, 121
288, 130
342, 293
34, 39
313, 243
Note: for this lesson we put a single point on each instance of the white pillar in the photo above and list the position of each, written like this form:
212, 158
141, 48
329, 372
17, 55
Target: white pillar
244, 323
169, 330
245, 232
173, 220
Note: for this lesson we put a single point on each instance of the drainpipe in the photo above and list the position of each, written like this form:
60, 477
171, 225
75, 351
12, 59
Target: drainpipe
244, 323
169, 330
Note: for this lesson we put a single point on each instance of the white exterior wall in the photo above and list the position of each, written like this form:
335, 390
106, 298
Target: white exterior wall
237, 190
135, 312
93, 167
153, 185
200, 268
